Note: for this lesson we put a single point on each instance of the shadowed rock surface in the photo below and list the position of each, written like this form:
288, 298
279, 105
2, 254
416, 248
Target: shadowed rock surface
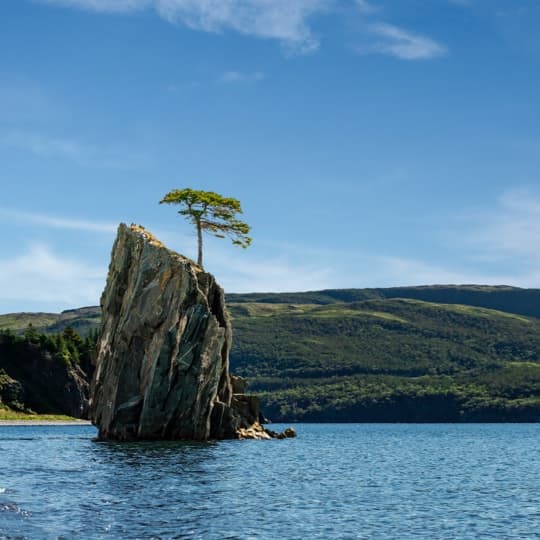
31, 378
162, 370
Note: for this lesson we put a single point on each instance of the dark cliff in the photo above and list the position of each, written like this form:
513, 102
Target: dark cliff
37, 379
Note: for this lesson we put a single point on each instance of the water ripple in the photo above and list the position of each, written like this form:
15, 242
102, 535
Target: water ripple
333, 481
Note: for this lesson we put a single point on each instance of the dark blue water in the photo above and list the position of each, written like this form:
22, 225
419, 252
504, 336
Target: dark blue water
333, 481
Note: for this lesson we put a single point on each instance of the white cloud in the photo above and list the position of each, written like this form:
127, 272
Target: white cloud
44, 146
282, 20
498, 245
302, 268
507, 236
286, 21
40, 276
285, 273
308, 268
509, 231
401, 271
238, 77
245, 273
56, 222
88, 155
395, 41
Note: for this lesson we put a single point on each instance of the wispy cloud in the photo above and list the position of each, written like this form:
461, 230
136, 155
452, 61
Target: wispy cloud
497, 244
231, 77
50, 147
508, 231
286, 21
404, 271
395, 41
45, 146
40, 276
55, 222
246, 273
283, 20
27, 102
366, 7
345, 270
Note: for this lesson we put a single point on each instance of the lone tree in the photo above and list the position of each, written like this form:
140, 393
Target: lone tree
212, 212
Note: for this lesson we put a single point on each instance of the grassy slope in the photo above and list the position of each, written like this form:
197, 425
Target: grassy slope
83, 320
19, 321
8, 414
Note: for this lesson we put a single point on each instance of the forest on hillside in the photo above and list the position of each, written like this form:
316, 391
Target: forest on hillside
324, 357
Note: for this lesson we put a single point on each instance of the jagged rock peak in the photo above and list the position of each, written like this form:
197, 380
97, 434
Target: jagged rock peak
162, 370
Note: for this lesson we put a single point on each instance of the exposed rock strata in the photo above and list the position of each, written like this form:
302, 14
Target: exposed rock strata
162, 370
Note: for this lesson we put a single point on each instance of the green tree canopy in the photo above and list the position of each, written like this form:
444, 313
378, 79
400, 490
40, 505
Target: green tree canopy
211, 212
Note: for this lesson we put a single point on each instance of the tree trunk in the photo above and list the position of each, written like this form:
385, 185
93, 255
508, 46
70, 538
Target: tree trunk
199, 242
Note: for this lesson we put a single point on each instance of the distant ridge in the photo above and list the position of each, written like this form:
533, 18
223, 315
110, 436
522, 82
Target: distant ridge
500, 297
82, 320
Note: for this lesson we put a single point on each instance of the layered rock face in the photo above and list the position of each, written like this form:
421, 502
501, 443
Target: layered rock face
162, 370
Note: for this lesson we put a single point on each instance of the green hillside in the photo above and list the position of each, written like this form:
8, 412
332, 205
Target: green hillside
388, 360
401, 354
502, 298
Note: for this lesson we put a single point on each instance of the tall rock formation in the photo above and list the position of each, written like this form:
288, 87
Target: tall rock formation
162, 370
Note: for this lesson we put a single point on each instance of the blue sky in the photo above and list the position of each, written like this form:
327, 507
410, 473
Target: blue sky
372, 143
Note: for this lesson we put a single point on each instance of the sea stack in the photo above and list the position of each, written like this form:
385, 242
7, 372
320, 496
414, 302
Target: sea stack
162, 370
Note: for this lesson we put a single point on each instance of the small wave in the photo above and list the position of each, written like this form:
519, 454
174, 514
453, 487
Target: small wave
2, 490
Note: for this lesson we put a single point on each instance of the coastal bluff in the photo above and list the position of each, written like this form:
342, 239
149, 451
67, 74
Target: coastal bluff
162, 368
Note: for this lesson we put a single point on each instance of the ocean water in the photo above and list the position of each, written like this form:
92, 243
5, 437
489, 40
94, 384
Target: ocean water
368, 481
